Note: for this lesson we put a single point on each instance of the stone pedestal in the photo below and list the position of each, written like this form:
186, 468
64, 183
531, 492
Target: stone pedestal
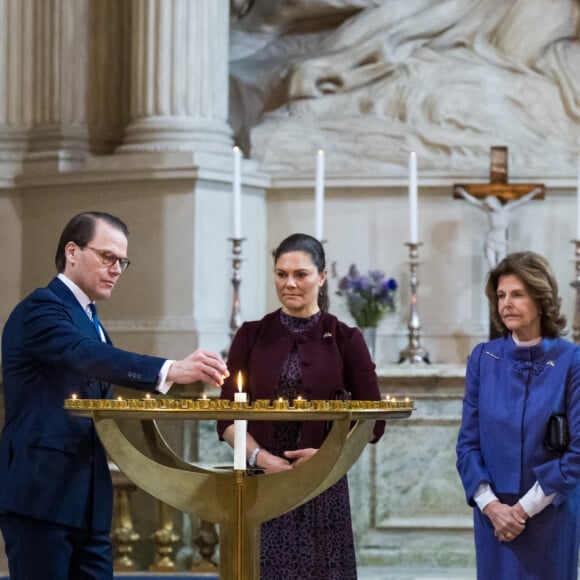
408, 505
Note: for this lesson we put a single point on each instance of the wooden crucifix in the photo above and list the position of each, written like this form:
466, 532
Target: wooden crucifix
497, 198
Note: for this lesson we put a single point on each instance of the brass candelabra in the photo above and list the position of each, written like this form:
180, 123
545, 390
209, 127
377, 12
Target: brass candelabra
230, 498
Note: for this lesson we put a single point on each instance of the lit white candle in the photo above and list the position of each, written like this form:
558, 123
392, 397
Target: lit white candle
413, 199
319, 197
237, 194
578, 202
240, 430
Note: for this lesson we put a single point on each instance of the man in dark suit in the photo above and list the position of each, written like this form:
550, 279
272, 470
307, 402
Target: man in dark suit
55, 486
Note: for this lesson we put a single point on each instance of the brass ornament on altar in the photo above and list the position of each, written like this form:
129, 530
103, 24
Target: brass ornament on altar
237, 502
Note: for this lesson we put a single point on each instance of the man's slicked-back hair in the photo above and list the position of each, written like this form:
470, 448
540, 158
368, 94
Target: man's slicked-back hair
81, 230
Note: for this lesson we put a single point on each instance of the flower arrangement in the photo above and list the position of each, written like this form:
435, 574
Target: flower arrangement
369, 297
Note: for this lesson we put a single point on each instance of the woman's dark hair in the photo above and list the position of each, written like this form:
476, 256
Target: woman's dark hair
81, 230
535, 272
312, 247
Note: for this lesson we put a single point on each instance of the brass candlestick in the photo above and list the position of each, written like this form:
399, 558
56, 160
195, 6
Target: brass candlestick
123, 535
414, 353
164, 539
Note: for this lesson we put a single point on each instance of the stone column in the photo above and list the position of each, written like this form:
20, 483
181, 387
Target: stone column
58, 77
109, 43
16, 63
179, 77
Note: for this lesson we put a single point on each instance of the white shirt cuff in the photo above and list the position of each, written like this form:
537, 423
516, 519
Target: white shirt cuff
163, 385
483, 495
535, 500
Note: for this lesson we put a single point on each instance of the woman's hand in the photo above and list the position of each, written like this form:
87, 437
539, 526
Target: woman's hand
272, 463
300, 455
507, 521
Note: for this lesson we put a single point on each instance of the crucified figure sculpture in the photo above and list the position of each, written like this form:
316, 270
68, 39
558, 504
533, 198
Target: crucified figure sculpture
496, 241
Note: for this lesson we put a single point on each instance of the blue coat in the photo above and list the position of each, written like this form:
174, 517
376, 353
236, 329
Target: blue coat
510, 394
52, 465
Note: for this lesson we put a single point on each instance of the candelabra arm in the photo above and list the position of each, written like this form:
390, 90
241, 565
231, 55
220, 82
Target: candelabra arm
237, 502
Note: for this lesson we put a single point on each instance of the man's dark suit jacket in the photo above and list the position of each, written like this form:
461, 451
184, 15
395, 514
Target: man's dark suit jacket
52, 464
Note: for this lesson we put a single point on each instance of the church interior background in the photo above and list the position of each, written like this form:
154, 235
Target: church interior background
133, 107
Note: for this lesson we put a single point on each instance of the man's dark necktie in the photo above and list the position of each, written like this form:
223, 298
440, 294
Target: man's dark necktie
95, 318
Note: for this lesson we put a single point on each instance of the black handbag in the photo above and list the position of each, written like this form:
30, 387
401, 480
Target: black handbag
557, 435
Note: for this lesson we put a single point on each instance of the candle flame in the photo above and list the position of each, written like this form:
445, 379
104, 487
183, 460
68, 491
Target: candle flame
147, 396
204, 396
321, 152
280, 399
119, 398
74, 396
240, 382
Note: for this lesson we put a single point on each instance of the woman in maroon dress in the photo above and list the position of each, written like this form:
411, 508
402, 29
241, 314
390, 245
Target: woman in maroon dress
301, 350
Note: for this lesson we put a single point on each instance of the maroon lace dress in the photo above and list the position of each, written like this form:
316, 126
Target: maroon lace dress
314, 541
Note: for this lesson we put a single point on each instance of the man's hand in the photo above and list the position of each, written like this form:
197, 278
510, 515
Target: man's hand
200, 365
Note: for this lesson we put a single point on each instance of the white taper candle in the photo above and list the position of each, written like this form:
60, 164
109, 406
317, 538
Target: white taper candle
413, 199
237, 194
319, 197
240, 430
578, 202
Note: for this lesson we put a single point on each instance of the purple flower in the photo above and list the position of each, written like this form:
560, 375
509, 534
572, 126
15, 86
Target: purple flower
369, 297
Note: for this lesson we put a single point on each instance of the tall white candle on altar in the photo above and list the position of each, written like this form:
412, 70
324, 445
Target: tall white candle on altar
237, 194
240, 430
319, 197
413, 199
578, 202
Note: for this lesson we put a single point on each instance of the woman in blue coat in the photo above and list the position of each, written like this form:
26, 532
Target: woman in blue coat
525, 496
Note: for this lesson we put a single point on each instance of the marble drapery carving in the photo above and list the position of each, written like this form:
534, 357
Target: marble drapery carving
447, 78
